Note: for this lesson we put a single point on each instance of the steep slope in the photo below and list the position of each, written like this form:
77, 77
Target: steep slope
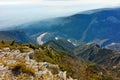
99, 55
76, 67
107, 58
91, 52
114, 46
27, 61
61, 44
100, 24
18, 35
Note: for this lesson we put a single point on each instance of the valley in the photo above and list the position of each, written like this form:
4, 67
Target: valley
83, 46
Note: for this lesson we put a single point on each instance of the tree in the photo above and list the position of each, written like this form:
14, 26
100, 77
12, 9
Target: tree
13, 42
3, 42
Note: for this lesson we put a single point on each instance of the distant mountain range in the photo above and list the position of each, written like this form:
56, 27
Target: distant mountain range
88, 26
85, 27
93, 36
18, 35
107, 58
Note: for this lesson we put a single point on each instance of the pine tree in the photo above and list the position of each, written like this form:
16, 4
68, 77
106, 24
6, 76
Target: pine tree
13, 42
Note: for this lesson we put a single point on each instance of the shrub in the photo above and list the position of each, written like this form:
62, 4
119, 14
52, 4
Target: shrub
21, 68
13, 42
3, 42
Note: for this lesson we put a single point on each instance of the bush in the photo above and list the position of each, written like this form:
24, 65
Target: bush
21, 68
13, 42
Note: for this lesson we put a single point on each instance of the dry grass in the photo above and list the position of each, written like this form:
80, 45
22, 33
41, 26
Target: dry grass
22, 68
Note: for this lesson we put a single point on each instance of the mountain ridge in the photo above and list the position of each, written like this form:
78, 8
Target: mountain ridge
18, 35
98, 25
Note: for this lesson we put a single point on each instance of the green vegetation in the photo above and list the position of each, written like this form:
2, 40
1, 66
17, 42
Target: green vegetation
20, 67
62, 45
13, 42
76, 67
12, 45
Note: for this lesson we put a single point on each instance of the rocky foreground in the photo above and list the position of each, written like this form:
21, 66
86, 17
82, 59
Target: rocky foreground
15, 65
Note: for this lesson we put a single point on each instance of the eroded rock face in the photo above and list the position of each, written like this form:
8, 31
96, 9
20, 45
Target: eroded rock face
15, 65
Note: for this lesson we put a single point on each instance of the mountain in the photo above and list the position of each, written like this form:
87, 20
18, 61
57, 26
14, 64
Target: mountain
88, 51
99, 55
27, 61
85, 27
114, 46
86, 45
104, 57
18, 35
61, 44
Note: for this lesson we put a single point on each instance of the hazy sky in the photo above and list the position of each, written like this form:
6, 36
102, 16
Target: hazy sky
15, 12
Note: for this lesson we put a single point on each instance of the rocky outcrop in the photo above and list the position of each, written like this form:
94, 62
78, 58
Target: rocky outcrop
15, 65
